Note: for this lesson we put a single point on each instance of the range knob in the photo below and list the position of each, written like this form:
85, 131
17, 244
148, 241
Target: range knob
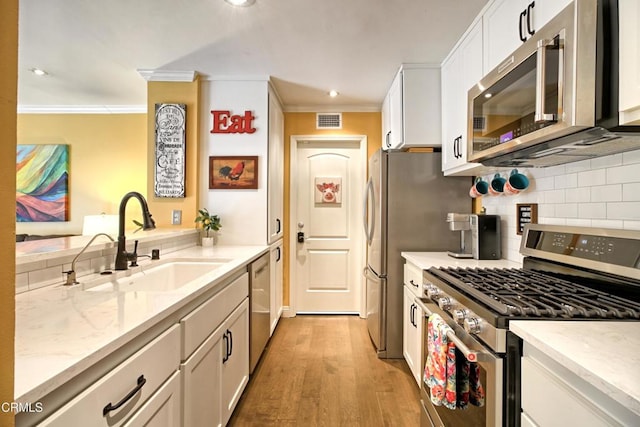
433, 291
459, 315
472, 325
445, 303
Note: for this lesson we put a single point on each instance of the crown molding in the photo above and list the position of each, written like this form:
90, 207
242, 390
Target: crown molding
167, 75
82, 109
332, 108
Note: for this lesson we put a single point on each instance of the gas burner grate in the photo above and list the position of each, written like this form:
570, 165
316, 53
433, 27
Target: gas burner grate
528, 293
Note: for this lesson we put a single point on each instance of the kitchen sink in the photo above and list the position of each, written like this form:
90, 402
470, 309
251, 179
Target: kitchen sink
168, 276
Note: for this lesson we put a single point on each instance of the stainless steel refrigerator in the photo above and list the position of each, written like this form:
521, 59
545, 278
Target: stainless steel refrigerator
405, 209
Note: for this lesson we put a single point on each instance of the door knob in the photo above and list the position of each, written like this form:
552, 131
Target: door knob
301, 225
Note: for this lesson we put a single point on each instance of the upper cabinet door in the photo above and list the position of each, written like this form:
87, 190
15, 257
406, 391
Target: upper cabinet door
509, 23
396, 128
629, 12
411, 110
504, 27
275, 196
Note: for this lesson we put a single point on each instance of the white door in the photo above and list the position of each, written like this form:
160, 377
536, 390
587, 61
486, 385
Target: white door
326, 200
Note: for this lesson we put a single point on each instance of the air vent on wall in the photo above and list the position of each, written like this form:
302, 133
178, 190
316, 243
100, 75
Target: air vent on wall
329, 121
479, 123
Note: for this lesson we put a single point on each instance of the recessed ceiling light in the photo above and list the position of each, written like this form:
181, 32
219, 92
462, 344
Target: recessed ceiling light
38, 72
242, 3
333, 93
488, 95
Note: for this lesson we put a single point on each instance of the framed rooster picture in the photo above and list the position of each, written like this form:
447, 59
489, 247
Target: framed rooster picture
233, 172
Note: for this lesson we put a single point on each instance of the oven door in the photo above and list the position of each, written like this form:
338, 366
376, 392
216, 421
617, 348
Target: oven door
491, 377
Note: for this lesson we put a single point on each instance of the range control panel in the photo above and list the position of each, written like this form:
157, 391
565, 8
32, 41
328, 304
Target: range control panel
611, 250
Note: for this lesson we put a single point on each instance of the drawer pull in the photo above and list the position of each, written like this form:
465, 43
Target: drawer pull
141, 382
413, 283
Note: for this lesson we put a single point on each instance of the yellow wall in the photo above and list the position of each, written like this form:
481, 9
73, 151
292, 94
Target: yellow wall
175, 93
8, 105
369, 124
106, 160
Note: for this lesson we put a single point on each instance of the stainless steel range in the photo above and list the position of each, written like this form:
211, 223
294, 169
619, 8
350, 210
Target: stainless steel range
569, 273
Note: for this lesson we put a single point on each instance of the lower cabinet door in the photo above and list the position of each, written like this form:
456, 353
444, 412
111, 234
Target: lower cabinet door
235, 366
201, 383
215, 375
162, 409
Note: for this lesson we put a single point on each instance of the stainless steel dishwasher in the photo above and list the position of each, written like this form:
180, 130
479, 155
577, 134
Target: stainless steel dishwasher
259, 304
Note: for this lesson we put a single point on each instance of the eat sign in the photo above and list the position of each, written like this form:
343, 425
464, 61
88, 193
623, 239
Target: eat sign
225, 122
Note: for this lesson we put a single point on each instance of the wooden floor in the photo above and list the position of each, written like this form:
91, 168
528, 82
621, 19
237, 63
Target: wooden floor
323, 371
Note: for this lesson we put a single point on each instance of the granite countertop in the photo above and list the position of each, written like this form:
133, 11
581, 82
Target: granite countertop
605, 354
426, 260
61, 331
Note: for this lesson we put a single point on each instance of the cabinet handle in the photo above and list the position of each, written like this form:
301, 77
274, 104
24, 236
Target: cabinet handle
278, 225
413, 283
455, 148
523, 14
411, 314
530, 29
279, 254
388, 139
230, 344
415, 322
141, 382
226, 348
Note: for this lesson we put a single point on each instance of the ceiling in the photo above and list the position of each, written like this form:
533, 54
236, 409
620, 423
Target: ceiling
92, 50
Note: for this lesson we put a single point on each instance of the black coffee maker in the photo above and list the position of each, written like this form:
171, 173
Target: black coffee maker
485, 237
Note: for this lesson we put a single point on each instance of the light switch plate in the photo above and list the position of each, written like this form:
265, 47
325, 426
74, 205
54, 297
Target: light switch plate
176, 217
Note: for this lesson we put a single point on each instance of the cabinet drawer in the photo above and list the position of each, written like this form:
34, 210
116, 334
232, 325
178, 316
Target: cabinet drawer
413, 278
151, 366
199, 324
550, 401
163, 409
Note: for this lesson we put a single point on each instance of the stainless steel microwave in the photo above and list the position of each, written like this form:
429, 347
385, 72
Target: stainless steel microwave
555, 99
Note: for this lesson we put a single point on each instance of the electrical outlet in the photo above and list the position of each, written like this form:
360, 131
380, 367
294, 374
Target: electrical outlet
176, 217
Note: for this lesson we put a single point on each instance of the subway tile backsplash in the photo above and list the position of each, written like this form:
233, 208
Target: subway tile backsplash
602, 192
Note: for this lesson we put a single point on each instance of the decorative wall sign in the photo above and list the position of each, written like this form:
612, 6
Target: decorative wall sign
225, 122
42, 175
170, 150
233, 172
527, 213
328, 190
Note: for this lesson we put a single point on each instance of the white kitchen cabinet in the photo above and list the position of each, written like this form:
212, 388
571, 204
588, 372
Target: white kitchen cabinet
275, 190
509, 23
163, 409
411, 110
131, 383
461, 70
215, 375
412, 324
552, 396
277, 276
629, 103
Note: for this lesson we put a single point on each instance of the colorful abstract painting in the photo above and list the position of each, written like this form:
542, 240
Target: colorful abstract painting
42, 175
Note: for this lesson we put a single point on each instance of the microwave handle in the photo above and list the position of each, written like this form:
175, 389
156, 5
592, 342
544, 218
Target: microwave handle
541, 81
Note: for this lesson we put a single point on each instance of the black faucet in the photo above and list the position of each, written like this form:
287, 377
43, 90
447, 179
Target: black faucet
122, 257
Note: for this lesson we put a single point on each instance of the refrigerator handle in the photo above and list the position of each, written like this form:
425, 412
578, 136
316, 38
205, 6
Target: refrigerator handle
368, 228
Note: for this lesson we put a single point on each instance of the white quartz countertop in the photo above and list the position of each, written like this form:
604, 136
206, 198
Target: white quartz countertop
62, 331
605, 354
426, 260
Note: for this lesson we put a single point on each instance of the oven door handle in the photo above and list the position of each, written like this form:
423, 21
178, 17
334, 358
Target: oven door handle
471, 355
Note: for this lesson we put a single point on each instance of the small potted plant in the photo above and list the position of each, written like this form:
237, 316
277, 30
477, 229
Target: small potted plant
209, 223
